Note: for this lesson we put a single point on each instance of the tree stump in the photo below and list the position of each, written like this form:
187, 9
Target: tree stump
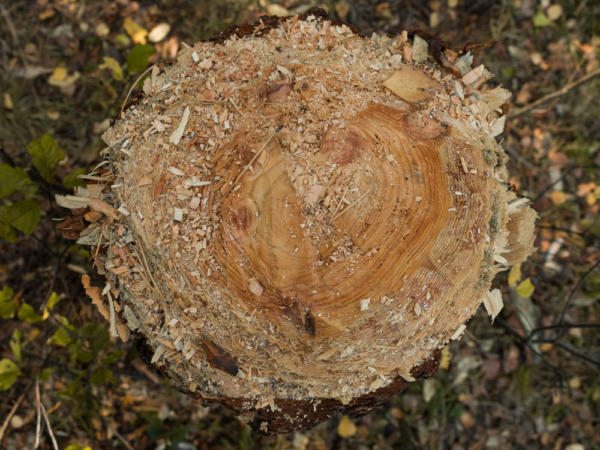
295, 219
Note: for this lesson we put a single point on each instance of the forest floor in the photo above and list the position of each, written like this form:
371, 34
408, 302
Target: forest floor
530, 380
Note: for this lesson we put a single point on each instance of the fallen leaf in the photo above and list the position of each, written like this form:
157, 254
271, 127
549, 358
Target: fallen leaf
467, 419
159, 32
136, 32
584, 189
446, 358
514, 275
558, 197
346, 427
525, 288
342, 8
114, 66
541, 20
102, 30
411, 85
277, 10
9, 372
429, 389
60, 77
31, 72
554, 12
7, 101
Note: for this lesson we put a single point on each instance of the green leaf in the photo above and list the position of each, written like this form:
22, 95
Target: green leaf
7, 305
14, 179
101, 375
114, 66
7, 232
72, 180
81, 354
45, 374
27, 313
97, 336
112, 357
9, 372
525, 288
46, 156
137, 58
62, 336
16, 345
24, 215
541, 20
122, 40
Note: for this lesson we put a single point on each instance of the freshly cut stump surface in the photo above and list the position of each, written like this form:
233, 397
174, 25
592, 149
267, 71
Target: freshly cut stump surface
299, 219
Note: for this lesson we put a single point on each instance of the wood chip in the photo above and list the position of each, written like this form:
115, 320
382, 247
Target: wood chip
493, 303
178, 133
255, 287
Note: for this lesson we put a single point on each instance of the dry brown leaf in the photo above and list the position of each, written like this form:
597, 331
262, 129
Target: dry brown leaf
558, 197
411, 85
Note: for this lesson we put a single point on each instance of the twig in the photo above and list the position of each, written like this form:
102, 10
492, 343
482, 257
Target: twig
569, 348
339, 205
111, 304
99, 243
122, 439
10, 414
277, 130
10, 25
352, 205
567, 230
572, 294
50, 432
560, 327
562, 91
134, 85
38, 427
54, 277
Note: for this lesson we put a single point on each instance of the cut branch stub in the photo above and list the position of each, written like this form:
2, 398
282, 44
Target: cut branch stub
305, 217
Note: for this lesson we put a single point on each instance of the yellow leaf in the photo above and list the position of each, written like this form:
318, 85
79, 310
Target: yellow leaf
114, 66
446, 357
136, 32
525, 288
558, 197
46, 14
61, 78
575, 383
546, 347
52, 301
8, 103
411, 85
346, 427
59, 74
514, 275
